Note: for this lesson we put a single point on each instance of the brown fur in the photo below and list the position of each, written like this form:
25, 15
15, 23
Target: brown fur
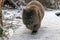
34, 9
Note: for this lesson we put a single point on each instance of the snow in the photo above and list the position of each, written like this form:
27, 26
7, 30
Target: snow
50, 26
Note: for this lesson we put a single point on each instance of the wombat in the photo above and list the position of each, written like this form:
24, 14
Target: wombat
32, 15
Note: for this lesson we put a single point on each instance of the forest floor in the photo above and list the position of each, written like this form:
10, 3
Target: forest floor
50, 26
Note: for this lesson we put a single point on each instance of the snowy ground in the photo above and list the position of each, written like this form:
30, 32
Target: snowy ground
50, 26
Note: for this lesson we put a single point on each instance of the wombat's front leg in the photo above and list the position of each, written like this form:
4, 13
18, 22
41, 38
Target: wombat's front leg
35, 29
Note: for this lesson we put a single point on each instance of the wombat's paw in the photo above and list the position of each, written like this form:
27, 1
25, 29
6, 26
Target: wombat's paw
34, 32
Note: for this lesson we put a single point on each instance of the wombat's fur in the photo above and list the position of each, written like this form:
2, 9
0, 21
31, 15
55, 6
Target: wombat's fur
32, 15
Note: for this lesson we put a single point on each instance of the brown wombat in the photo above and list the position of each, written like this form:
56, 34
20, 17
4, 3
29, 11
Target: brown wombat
32, 15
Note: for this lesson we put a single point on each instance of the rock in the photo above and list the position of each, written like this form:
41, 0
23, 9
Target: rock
58, 13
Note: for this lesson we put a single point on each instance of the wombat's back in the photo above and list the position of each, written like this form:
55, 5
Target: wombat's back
40, 6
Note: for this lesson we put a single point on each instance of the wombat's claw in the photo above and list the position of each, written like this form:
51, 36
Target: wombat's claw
34, 32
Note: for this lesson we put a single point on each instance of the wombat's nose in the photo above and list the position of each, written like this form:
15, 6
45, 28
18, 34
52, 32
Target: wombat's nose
27, 23
31, 22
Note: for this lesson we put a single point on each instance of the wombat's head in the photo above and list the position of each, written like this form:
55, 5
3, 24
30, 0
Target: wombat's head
29, 16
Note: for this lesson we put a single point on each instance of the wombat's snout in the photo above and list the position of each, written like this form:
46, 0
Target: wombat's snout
29, 22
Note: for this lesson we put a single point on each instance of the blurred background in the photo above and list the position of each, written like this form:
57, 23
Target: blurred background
12, 27
53, 4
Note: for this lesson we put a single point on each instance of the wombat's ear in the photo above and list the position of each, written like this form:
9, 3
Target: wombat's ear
23, 9
31, 11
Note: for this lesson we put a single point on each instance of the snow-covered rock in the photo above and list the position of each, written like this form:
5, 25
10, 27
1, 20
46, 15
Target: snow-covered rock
50, 27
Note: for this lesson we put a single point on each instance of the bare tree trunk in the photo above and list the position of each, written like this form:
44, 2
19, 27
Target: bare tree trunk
10, 3
1, 13
14, 3
1, 23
